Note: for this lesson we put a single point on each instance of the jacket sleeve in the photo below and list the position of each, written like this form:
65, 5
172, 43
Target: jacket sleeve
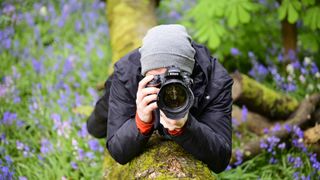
208, 137
97, 121
124, 141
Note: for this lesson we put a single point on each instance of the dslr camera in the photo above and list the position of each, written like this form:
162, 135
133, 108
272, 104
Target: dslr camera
175, 97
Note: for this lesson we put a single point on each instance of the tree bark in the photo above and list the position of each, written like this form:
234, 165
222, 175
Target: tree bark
162, 159
300, 116
289, 37
129, 21
258, 98
253, 122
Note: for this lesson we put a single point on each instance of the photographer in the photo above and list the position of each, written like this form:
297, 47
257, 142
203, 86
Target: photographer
200, 120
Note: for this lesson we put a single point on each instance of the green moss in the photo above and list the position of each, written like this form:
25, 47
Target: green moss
270, 102
162, 159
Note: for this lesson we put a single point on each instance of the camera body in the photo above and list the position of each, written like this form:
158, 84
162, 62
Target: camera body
175, 97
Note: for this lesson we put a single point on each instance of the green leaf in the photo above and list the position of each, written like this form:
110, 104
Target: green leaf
232, 15
292, 14
312, 18
308, 2
244, 16
309, 42
282, 10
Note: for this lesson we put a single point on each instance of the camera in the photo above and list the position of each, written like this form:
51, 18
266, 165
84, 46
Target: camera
175, 97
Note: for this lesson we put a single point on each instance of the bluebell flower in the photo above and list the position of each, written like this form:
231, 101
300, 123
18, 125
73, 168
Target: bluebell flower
29, 19
8, 9
8, 159
251, 55
244, 113
83, 132
239, 157
37, 65
296, 64
94, 144
282, 146
273, 160
22, 178
46, 146
74, 165
89, 155
19, 145
292, 55
81, 154
297, 162
276, 127
234, 51
8, 118
296, 176
314, 68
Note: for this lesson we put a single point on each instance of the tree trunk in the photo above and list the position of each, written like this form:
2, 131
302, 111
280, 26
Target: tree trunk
260, 99
253, 122
162, 159
300, 116
128, 21
289, 37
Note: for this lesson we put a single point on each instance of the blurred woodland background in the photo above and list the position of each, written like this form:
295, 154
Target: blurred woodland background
55, 56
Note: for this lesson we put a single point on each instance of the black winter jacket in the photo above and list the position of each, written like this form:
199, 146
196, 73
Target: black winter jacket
207, 132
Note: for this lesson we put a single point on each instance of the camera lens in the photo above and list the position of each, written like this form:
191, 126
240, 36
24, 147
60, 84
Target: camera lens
175, 95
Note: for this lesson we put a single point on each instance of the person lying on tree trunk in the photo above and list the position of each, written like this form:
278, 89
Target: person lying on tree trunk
171, 86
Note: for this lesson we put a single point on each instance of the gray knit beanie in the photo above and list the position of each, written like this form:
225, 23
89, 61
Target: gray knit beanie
167, 45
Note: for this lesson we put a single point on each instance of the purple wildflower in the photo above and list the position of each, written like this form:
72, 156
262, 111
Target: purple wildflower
239, 157
8, 118
292, 54
315, 163
234, 51
251, 55
296, 175
296, 64
282, 146
280, 57
46, 146
314, 68
263, 144
83, 132
298, 132
22, 178
8, 159
6, 174
244, 113
90, 155
8, 9
94, 145
29, 19
273, 160
175, 15
74, 165
272, 142
276, 127
37, 65
288, 128
19, 145
80, 154
297, 162
3, 90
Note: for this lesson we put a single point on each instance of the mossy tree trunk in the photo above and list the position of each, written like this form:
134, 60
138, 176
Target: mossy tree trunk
258, 98
162, 159
128, 22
